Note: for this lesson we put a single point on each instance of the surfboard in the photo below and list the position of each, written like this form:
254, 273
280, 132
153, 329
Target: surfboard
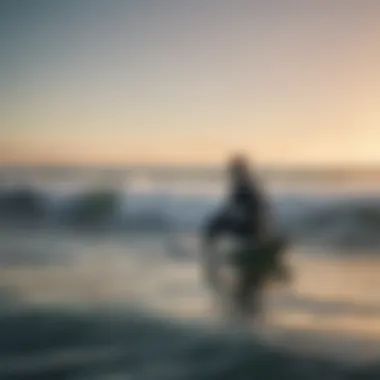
264, 259
262, 262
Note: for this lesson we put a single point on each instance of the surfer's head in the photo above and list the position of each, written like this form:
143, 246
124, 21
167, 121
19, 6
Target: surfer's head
239, 167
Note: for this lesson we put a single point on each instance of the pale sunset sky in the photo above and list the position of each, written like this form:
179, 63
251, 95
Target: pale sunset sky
159, 81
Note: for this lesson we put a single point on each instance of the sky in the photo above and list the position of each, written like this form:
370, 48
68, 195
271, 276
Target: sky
189, 82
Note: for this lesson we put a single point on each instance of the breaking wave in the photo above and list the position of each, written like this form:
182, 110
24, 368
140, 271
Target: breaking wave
340, 221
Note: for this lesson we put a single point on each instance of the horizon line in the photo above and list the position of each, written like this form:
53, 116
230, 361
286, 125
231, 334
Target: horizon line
205, 166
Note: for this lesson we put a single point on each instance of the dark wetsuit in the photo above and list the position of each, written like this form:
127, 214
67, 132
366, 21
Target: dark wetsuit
242, 217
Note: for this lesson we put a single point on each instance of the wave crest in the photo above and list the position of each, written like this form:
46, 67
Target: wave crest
339, 222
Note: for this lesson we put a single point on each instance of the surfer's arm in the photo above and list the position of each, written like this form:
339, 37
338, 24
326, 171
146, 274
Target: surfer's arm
267, 216
216, 226
260, 208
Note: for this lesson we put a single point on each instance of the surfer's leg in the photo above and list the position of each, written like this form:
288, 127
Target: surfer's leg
247, 295
282, 273
281, 270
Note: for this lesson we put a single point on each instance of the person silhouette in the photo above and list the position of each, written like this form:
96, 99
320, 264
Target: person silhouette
245, 216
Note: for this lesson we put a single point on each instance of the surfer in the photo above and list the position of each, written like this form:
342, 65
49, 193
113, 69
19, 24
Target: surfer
243, 214
245, 217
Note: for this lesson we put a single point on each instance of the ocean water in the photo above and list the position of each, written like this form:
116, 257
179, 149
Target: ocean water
99, 279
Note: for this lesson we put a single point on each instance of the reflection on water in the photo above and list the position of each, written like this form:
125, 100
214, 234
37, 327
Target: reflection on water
331, 293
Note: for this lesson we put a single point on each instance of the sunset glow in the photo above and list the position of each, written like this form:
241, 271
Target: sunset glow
87, 82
